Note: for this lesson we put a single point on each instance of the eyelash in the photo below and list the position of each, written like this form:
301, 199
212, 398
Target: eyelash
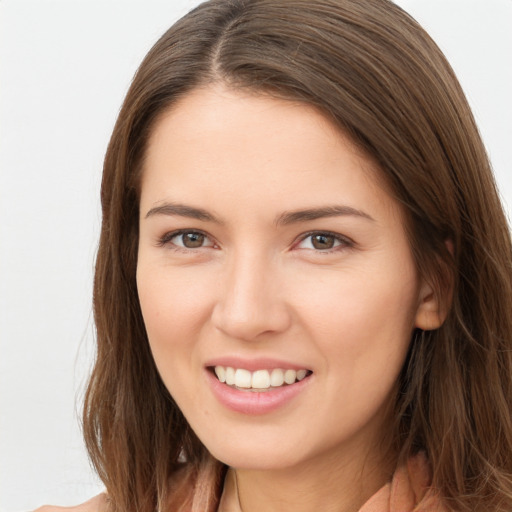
166, 239
343, 241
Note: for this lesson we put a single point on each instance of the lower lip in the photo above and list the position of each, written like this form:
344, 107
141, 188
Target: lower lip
254, 402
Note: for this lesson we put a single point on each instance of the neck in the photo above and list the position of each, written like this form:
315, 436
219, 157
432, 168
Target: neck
330, 484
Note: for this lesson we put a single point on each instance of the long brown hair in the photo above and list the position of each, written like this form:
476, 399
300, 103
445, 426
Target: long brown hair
371, 69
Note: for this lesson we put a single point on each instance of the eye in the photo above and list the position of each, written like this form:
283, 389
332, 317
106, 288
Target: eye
323, 241
187, 239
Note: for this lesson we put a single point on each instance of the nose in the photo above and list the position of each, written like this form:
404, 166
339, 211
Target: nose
251, 300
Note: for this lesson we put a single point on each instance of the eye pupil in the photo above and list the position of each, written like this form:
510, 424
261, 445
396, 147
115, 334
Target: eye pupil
322, 241
192, 240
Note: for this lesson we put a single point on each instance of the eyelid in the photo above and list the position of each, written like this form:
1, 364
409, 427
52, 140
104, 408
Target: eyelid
345, 242
166, 238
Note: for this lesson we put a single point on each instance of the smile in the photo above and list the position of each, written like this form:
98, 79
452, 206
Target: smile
259, 380
260, 391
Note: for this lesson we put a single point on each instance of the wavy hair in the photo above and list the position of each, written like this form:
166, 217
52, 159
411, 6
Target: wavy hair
371, 69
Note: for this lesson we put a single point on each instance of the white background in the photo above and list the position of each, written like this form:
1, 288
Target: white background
64, 69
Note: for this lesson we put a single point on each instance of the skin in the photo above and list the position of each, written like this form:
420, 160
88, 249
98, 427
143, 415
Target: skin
256, 287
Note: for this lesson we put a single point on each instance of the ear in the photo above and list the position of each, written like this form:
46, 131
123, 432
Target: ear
431, 312
435, 301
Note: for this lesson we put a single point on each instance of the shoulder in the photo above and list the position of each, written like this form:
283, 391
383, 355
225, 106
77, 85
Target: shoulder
96, 504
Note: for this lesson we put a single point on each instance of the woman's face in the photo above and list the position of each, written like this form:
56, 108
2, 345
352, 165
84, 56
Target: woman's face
270, 253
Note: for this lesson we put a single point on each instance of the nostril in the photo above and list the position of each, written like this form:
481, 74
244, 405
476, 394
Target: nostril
247, 311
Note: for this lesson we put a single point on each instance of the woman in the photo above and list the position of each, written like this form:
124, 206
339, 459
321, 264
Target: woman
303, 283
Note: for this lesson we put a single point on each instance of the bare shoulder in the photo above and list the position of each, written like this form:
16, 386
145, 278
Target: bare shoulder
96, 504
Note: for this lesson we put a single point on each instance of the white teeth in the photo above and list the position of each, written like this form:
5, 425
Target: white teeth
242, 378
290, 376
277, 378
301, 374
230, 376
220, 371
259, 379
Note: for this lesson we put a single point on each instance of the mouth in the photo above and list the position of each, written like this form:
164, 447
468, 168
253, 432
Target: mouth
260, 380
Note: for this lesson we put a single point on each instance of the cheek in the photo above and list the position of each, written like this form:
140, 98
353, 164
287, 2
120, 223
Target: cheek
358, 303
175, 307
172, 298
363, 323
362, 330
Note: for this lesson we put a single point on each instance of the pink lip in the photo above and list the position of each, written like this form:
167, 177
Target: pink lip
253, 364
254, 403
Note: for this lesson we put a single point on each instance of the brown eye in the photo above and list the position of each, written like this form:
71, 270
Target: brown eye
192, 240
322, 241
185, 239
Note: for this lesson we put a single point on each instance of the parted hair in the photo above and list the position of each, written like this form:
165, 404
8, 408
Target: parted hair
372, 70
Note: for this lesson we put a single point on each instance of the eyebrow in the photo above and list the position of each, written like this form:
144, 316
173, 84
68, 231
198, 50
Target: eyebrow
183, 210
285, 218
309, 214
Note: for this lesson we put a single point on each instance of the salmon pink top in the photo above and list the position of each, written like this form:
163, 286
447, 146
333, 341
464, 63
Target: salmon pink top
408, 491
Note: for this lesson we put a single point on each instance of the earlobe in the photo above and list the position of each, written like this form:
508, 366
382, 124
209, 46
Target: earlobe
432, 309
429, 315
435, 301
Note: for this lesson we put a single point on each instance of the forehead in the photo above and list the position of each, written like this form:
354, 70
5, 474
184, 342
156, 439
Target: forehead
241, 115
217, 143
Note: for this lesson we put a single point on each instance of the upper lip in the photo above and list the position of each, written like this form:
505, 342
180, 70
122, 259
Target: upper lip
253, 364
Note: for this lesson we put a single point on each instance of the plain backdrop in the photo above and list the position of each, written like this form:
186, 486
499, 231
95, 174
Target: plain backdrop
64, 69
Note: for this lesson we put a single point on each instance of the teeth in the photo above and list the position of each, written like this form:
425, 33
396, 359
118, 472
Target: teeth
260, 379
230, 376
277, 378
301, 374
220, 371
243, 378
290, 376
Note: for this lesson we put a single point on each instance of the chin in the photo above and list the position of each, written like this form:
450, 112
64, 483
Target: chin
255, 459
257, 452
